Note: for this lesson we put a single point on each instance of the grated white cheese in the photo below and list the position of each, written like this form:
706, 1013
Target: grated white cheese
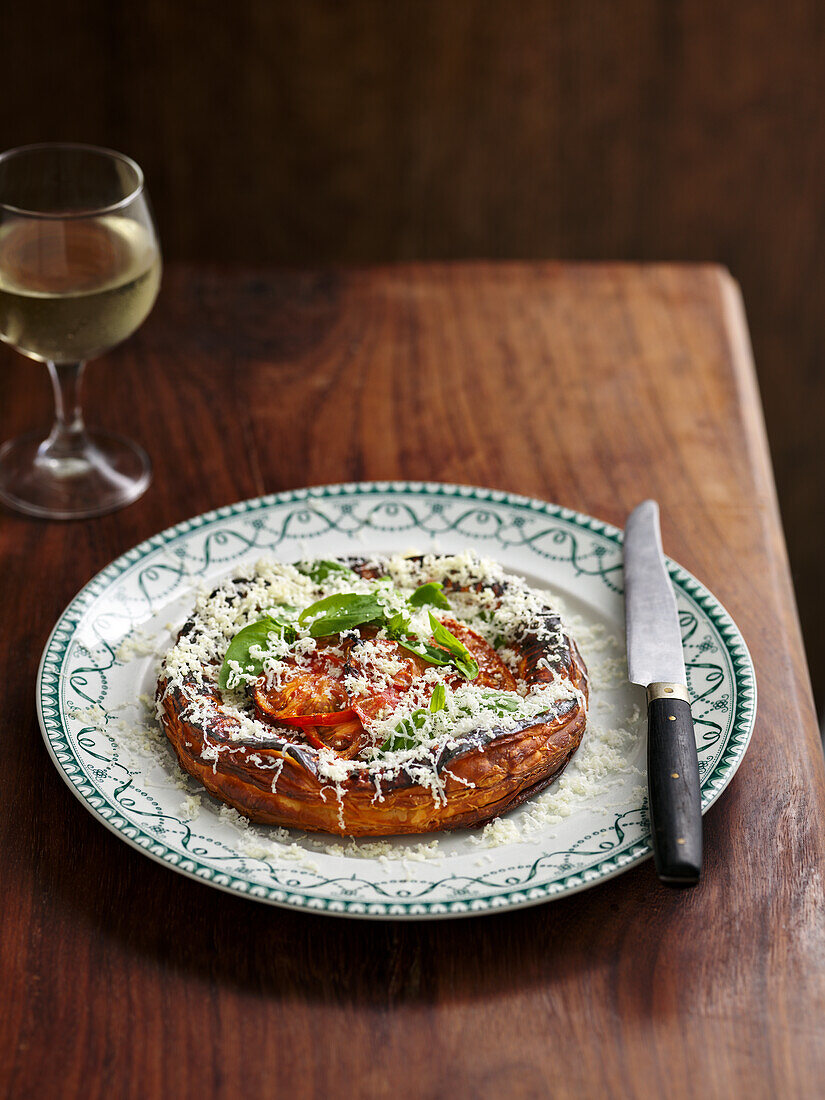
190, 808
137, 643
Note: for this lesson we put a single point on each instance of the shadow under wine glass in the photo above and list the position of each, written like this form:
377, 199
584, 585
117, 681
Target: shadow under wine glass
80, 270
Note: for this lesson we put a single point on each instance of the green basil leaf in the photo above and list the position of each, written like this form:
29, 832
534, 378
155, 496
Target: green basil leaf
467, 667
431, 593
398, 625
439, 699
319, 571
502, 702
429, 653
462, 658
256, 634
281, 612
395, 742
341, 611
406, 732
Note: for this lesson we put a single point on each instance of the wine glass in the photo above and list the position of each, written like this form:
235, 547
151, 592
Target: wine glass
79, 272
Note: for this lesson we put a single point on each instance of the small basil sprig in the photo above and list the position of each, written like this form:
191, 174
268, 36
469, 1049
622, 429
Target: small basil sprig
461, 656
256, 634
501, 703
431, 593
406, 732
398, 627
429, 653
342, 611
449, 651
319, 571
346, 610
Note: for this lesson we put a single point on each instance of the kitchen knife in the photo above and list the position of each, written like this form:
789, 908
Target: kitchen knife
655, 660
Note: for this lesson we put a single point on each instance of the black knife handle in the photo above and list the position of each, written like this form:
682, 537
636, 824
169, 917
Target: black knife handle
673, 792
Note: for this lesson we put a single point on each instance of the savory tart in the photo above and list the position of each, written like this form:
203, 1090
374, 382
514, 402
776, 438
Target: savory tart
375, 696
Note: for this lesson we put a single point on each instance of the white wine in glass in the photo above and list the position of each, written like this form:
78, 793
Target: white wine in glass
80, 270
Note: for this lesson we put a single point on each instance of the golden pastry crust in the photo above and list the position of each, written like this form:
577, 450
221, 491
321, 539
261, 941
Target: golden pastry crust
482, 775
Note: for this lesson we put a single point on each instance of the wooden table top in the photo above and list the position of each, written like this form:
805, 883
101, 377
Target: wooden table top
589, 385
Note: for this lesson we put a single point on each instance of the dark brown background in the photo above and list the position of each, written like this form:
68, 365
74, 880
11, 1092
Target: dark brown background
317, 130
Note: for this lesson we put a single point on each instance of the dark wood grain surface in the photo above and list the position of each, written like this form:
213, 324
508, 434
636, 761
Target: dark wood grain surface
592, 386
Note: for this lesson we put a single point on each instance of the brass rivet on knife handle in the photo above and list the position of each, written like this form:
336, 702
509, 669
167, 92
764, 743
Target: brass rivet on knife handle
667, 691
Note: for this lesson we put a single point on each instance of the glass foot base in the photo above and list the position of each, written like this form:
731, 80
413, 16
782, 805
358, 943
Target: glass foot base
109, 473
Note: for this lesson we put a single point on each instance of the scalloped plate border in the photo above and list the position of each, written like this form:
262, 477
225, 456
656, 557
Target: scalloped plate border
51, 717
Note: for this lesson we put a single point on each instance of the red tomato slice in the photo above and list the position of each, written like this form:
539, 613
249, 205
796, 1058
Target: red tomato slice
332, 718
313, 694
383, 690
373, 706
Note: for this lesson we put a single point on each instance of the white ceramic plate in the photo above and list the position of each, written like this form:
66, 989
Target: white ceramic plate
591, 824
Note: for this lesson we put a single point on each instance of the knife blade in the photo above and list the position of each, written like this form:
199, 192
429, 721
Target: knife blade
655, 660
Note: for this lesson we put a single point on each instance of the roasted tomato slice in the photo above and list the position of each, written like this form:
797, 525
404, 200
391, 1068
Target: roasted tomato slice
376, 706
383, 672
492, 671
307, 695
333, 718
345, 738
384, 665
313, 694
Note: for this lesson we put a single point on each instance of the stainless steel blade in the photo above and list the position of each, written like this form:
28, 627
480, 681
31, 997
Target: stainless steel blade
654, 640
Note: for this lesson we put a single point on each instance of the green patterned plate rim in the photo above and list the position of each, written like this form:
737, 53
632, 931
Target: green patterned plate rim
152, 574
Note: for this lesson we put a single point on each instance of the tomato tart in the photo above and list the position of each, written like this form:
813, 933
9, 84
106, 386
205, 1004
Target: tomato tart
374, 696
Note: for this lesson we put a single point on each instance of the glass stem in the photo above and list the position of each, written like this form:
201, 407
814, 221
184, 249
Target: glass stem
66, 452
67, 438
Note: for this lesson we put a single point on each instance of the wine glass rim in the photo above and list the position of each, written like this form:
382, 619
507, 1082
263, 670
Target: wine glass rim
84, 147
